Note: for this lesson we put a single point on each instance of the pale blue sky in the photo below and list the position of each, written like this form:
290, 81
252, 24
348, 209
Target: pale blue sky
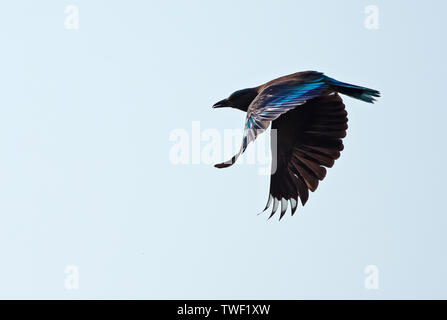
85, 175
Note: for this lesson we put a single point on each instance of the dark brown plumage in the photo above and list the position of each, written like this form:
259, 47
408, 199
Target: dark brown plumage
308, 140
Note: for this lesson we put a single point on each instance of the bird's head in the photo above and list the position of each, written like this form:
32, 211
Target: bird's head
240, 99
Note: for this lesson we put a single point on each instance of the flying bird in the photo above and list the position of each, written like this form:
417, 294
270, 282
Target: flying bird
310, 120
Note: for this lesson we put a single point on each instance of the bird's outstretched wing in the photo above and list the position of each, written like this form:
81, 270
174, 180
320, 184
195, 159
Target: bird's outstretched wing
274, 100
308, 139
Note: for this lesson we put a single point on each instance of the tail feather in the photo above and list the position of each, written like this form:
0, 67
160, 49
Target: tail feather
357, 92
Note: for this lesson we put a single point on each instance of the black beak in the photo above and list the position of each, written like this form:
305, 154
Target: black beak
221, 104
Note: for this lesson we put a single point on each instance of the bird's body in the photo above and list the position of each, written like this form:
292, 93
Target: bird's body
310, 121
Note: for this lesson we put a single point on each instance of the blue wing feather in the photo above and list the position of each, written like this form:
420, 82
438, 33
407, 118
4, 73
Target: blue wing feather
273, 101
280, 98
